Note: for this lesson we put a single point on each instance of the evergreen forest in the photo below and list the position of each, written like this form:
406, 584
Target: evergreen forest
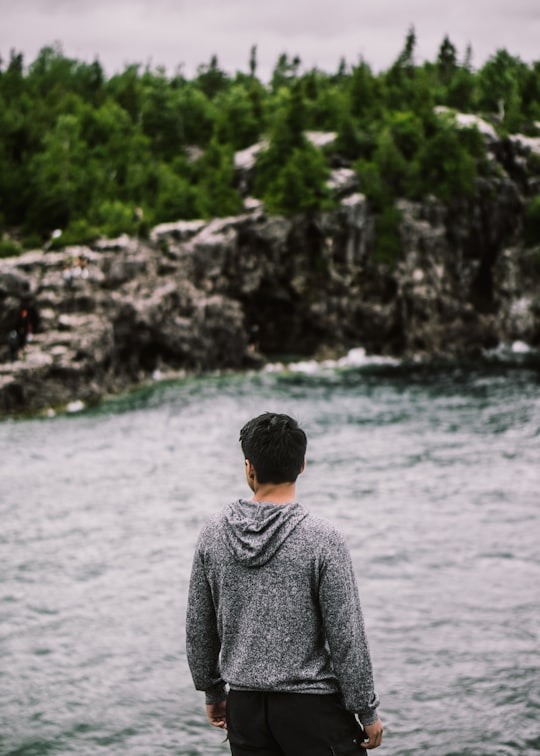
96, 155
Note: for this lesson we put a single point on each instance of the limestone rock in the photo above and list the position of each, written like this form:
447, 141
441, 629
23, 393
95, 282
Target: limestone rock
228, 292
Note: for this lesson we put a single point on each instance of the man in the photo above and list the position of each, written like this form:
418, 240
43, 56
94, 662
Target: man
273, 612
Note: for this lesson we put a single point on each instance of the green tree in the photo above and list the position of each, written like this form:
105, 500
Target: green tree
384, 176
12, 81
447, 60
405, 60
407, 131
253, 61
353, 141
161, 116
325, 111
107, 132
285, 72
405, 86
176, 196
462, 91
91, 82
373, 184
291, 173
499, 87
446, 164
216, 195
141, 182
196, 115
15, 145
115, 217
211, 79
286, 135
236, 121
300, 184
391, 163
60, 177
127, 90
530, 93
363, 95
51, 71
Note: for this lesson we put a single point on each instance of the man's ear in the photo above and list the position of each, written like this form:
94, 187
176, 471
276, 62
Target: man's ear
250, 470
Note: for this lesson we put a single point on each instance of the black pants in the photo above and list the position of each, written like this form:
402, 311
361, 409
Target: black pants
291, 724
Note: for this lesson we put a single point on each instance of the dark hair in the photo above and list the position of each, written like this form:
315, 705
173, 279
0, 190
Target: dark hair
276, 447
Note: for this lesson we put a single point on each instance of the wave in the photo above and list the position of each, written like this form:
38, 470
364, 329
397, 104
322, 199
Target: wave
355, 358
515, 354
518, 352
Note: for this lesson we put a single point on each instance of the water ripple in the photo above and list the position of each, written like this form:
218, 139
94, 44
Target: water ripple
433, 476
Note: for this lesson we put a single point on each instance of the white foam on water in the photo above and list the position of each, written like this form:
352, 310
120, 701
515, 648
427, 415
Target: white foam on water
520, 347
355, 358
75, 406
511, 352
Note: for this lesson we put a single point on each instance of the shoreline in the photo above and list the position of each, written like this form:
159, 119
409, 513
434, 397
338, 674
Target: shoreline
233, 293
517, 356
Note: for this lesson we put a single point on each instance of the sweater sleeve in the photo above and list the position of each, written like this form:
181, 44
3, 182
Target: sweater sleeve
345, 631
202, 638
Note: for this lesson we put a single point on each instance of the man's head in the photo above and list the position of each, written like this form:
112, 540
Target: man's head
276, 447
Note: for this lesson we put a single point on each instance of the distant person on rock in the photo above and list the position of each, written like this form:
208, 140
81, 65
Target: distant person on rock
275, 634
34, 320
25, 326
82, 261
69, 273
23, 329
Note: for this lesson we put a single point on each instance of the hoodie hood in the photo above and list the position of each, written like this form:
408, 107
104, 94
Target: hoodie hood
254, 530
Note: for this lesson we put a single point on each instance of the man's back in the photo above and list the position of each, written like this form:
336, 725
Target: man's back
288, 617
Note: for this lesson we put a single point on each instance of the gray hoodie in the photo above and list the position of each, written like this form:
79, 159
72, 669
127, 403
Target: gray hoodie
273, 606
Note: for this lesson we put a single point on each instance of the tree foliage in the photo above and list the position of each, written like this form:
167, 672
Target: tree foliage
90, 153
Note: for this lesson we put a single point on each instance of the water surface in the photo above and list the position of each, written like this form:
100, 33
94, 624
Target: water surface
432, 474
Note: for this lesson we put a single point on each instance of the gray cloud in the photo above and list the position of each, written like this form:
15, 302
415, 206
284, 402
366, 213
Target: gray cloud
188, 32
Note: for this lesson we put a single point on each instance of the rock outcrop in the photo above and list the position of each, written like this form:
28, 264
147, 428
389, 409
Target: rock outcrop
229, 293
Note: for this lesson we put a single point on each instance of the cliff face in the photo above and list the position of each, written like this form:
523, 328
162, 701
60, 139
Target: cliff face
201, 296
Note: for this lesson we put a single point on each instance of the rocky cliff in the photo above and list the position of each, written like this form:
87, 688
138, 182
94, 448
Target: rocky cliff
233, 292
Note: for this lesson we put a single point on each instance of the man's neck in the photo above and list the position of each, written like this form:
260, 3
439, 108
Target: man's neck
275, 493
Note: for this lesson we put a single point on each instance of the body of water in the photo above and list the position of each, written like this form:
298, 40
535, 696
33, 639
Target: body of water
433, 475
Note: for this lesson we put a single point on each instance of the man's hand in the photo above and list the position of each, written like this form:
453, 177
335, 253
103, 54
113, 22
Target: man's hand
374, 734
216, 714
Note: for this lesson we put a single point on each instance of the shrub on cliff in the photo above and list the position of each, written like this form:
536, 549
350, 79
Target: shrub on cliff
215, 192
176, 195
299, 184
501, 82
238, 121
9, 248
116, 218
414, 156
446, 164
291, 173
79, 231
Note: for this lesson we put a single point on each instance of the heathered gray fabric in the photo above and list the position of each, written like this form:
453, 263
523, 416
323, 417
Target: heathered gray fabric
273, 606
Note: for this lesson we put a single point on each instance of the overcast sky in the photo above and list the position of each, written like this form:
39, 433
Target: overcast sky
187, 33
